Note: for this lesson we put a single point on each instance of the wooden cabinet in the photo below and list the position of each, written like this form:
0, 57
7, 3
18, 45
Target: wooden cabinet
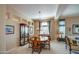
24, 34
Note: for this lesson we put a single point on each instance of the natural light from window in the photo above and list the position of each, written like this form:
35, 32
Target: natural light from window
44, 29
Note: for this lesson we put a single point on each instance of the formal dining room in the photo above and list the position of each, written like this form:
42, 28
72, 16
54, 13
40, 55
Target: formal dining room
39, 28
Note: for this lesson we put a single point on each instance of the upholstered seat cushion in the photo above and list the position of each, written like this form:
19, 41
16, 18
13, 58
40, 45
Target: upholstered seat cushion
75, 48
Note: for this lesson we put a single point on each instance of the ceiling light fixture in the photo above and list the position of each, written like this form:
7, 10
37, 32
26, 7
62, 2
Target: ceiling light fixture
39, 14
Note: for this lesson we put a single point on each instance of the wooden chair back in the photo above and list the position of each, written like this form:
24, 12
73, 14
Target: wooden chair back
36, 45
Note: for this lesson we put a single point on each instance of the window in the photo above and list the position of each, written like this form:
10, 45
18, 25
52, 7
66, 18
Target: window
44, 29
61, 23
62, 28
62, 31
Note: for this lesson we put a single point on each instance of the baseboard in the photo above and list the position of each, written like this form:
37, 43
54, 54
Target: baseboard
3, 52
7, 52
11, 50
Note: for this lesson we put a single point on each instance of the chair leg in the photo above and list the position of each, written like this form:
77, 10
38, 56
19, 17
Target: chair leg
39, 52
66, 46
49, 47
32, 52
70, 49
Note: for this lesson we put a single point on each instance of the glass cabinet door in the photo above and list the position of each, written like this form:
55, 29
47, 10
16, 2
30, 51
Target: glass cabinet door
23, 34
26, 34
22, 31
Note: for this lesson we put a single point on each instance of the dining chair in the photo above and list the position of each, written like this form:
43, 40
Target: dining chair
30, 42
46, 43
36, 45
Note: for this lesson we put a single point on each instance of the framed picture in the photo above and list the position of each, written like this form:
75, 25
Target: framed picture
9, 29
75, 28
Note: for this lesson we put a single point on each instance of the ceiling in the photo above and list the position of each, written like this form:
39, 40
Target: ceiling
47, 10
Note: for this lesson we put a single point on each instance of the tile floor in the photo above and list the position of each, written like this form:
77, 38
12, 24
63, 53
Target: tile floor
56, 48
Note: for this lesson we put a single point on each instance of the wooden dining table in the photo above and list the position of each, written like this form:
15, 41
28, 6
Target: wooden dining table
43, 41
40, 35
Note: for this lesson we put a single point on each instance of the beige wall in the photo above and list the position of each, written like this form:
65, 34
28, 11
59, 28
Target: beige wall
36, 25
54, 28
69, 22
10, 41
2, 33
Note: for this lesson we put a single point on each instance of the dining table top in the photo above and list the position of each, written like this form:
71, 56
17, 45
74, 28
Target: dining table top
41, 35
36, 35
